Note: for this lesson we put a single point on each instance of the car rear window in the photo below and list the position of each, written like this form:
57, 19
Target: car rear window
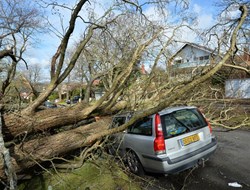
182, 121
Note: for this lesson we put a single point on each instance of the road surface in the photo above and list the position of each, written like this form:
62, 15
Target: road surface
229, 164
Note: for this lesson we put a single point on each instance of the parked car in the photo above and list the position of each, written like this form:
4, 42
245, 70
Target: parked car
167, 142
50, 104
68, 101
76, 99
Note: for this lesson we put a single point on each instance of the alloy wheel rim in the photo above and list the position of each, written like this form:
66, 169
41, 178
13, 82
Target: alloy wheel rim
132, 162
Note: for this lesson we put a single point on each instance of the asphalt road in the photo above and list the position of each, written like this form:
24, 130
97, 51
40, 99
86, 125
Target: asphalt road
230, 163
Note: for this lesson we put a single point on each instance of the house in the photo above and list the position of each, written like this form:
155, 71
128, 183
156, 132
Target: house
26, 93
190, 59
238, 83
65, 90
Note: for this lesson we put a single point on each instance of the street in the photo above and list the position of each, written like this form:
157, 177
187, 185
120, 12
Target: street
229, 166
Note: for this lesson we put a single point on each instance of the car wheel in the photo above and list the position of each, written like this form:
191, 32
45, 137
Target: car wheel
134, 163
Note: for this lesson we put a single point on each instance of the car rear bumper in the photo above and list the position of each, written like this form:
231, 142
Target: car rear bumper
167, 165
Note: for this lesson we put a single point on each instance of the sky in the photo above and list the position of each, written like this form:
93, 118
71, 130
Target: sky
205, 10
43, 51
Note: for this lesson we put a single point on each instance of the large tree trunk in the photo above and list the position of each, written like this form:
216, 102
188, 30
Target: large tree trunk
16, 124
27, 154
44, 120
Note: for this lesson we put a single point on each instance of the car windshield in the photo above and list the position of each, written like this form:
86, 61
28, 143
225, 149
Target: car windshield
182, 121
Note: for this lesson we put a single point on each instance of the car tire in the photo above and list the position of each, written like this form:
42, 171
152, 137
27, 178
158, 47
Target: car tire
134, 163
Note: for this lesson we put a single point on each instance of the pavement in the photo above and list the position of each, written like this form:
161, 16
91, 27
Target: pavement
228, 168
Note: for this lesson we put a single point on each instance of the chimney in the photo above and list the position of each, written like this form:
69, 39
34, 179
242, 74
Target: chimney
143, 71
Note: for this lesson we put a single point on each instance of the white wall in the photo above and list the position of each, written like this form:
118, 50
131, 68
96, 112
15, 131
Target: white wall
188, 55
237, 88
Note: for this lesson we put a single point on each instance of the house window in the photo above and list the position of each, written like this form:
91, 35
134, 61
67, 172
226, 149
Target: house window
206, 57
178, 61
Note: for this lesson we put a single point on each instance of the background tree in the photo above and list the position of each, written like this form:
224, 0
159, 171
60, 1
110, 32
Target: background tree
17, 25
34, 73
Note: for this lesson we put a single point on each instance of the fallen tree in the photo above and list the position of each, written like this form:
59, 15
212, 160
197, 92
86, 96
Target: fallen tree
29, 121
41, 149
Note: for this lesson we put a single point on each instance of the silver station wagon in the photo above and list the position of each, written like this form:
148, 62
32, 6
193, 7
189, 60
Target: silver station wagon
167, 142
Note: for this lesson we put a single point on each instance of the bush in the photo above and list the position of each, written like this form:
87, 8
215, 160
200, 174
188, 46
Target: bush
53, 96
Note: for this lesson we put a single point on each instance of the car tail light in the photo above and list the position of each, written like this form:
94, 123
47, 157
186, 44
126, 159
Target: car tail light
208, 123
159, 142
209, 126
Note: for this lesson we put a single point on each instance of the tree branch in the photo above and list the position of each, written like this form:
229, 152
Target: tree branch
237, 67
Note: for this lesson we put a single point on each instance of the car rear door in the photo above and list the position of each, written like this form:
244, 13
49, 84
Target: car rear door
139, 137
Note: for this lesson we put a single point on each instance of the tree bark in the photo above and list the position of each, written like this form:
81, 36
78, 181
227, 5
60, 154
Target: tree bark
17, 124
27, 154
8, 53
5, 158
41, 121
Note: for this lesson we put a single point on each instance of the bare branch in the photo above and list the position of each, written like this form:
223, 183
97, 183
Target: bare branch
237, 67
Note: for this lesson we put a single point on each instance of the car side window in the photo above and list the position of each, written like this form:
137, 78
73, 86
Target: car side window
118, 121
142, 127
